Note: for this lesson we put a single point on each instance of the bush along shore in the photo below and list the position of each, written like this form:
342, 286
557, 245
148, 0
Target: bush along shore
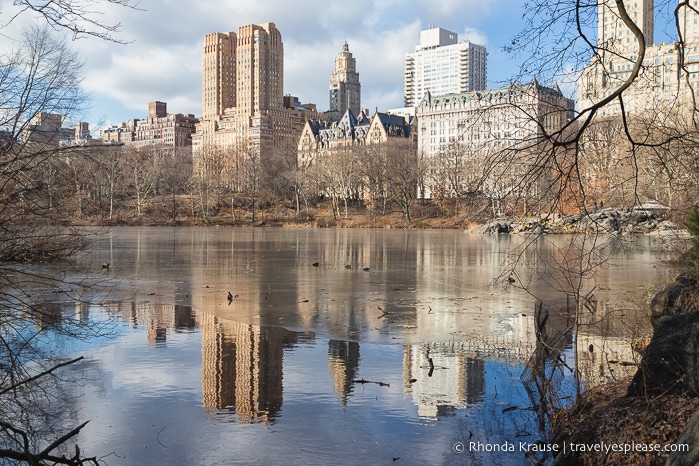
611, 220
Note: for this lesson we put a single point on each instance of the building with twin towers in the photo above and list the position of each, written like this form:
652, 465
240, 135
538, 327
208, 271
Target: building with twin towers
668, 74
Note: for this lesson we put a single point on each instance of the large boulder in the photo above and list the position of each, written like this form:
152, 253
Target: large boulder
496, 227
690, 437
678, 297
670, 363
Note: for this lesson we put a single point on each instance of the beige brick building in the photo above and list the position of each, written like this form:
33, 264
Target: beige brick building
345, 88
243, 102
667, 72
158, 129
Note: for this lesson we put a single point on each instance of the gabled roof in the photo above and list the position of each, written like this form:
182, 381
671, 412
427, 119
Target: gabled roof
348, 120
394, 121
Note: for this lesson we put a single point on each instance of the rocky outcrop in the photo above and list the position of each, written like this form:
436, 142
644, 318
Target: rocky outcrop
610, 220
496, 227
670, 363
690, 437
678, 297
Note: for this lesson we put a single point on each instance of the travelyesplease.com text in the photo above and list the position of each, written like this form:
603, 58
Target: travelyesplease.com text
607, 448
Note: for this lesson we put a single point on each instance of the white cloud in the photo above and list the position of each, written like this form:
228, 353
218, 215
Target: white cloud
171, 74
162, 59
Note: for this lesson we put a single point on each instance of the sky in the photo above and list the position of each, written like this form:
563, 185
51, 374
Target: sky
161, 59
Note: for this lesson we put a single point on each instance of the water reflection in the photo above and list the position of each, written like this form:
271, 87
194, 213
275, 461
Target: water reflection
242, 368
289, 361
456, 381
343, 360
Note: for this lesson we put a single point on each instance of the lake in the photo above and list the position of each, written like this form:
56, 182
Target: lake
343, 346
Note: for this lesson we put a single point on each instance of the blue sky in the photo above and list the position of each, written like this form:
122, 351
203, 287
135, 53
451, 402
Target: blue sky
162, 59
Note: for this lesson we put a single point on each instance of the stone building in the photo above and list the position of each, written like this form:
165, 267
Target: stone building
243, 104
481, 121
159, 128
479, 124
119, 134
345, 89
667, 70
320, 138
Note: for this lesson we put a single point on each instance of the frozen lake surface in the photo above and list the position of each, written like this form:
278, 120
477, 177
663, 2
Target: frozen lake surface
336, 347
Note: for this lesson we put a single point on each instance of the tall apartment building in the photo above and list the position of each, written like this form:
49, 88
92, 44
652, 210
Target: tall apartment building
614, 36
443, 65
218, 74
657, 86
345, 89
243, 102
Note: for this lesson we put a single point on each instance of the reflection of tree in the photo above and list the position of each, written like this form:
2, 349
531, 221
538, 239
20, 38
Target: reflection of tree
546, 370
33, 408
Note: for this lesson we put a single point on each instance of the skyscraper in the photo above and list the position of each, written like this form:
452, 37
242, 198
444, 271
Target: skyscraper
345, 89
613, 36
443, 65
667, 75
243, 102
259, 68
218, 74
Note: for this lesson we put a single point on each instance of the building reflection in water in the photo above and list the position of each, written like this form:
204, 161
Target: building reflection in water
242, 368
453, 380
343, 359
157, 318
242, 363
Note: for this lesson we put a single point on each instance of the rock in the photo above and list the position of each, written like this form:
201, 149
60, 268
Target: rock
669, 364
615, 221
495, 227
676, 298
689, 436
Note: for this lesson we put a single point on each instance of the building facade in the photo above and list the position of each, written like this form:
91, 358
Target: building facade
479, 124
159, 129
321, 138
481, 121
443, 65
345, 89
668, 73
48, 129
243, 102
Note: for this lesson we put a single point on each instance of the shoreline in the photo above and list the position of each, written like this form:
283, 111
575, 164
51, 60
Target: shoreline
613, 221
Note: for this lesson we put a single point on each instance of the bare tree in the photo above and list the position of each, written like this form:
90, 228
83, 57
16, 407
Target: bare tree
373, 167
252, 176
633, 133
173, 167
402, 174
614, 78
209, 174
110, 163
141, 166
40, 78
40, 82
81, 18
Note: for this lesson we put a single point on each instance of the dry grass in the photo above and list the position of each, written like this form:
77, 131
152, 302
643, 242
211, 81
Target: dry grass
604, 415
